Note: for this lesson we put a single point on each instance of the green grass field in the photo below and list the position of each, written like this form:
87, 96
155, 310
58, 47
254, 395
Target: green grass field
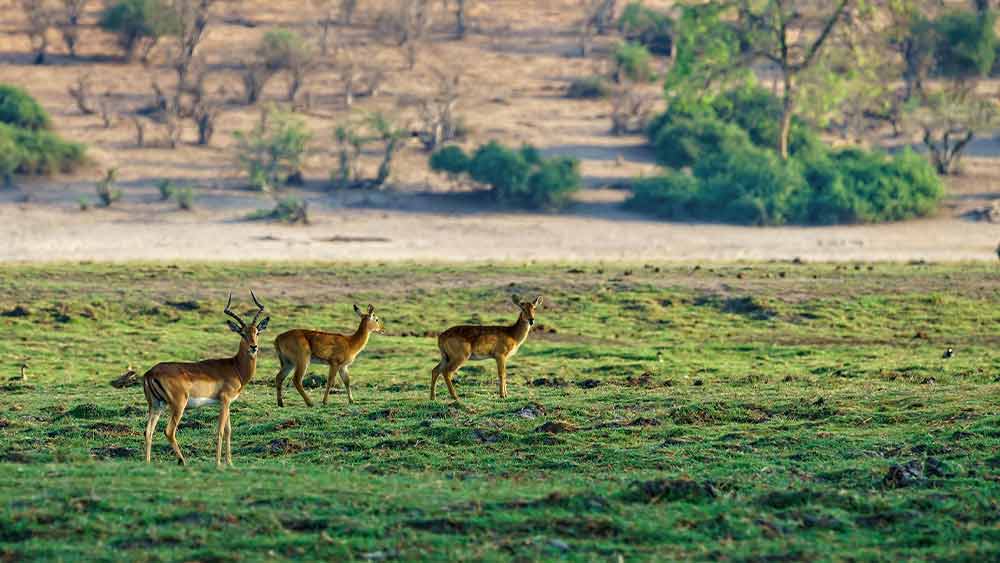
739, 412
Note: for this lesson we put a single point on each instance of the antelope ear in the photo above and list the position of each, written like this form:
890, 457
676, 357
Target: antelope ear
263, 324
358, 310
234, 327
516, 299
538, 300
370, 309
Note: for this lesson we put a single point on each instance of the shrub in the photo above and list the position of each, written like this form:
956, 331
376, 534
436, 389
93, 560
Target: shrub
966, 43
39, 152
107, 193
648, 27
517, 177
450, 160
682, 140
166, 188
19, 109
185, 198
590, 87
140, 21
634, 62
749, 184
288, 210
272, 152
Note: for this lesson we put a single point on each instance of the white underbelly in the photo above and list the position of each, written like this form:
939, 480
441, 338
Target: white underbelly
195, 402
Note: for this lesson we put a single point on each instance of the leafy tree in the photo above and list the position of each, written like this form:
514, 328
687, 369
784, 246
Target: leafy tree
272, 153
719, 43
140, 24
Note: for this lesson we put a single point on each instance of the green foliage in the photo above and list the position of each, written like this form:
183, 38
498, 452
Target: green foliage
282, 49
185, 198
649, 27
966, 43
588, 88
166, 188
135, 21
633, 61
736, 176
451, 160
19, 109
38, 152
518, 177
273, 151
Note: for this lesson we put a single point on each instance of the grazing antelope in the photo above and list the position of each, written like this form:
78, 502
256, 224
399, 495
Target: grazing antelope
472, 342
297, 347
181, 385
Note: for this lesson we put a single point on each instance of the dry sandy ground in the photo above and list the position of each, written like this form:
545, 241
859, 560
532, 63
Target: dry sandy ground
431, 230
516, 63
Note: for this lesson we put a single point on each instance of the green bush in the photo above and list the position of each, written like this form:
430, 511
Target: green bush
166, 188
517, 177
138, 21
588, 88
682, 140
966, 43
634, 62
736, 176
281, 49
185, 198
749, 184
650, 28
450, 160
19, 109
273, 151
39, 152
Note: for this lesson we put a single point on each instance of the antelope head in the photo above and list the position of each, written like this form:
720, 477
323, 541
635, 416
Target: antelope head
527, 308
369, 320
248, 332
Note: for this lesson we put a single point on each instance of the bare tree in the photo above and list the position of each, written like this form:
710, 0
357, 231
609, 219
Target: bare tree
631, 109
106, 107
461, 16
438, 122
406, 23
193, 16
140, 131
255, 76
41, 18
82, 94
347, 10
69, 23
325, 20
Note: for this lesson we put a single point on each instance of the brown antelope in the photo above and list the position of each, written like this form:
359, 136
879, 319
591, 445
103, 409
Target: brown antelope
183, 385
297, 347
461, 343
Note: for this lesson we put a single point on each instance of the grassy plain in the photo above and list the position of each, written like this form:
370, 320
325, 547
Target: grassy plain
721, 411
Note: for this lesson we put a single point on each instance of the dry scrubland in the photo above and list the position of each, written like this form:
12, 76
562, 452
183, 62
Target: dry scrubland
516, 62
735, 412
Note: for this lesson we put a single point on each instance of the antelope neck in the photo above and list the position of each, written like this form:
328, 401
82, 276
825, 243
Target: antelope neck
519, 330
245, 364
360, 337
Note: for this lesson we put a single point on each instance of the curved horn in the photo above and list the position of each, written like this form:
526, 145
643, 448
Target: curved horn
260, 308
232, 314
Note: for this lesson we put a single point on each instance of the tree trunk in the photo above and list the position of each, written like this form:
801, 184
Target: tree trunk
460, 19
788, 107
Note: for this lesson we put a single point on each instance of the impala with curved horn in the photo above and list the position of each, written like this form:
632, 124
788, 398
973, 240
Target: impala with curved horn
182, 385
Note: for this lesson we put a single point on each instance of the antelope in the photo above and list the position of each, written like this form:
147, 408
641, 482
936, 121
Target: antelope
297, 347
461, 343
182, 385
